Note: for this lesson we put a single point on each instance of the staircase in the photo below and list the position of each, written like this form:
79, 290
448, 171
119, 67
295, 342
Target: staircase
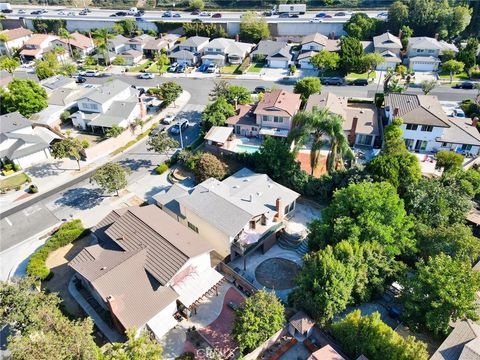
293, 242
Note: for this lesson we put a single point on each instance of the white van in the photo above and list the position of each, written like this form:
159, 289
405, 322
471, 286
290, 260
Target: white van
132, 11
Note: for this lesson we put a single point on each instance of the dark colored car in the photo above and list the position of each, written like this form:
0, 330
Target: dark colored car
332, 81
121, 13
294, 16
327, 16
217, 15
175, 129
465, 85
167, 14
83, 12
158, 130
360, 82
203, 68
36, 12
7, 11
284, 15
260, 89
341, 13
267, 13
80, 80
196, 21
195, 12
181, 68
177, 15
321, 15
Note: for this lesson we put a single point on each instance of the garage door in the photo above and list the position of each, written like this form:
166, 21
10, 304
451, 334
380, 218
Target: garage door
278, 64
421, 66
305, 64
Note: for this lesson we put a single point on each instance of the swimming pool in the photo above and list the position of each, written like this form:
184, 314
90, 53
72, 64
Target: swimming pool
246, 149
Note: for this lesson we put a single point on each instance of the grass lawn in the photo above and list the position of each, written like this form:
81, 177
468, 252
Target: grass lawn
13, 181
229, 69
460, 76
141, 67
255, 67
352, 76
92, 67
155, 69
332, 73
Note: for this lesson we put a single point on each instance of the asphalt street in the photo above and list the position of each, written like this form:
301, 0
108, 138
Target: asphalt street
82, 195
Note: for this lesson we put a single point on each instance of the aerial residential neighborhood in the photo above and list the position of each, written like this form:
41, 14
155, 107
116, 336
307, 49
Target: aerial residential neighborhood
239, 180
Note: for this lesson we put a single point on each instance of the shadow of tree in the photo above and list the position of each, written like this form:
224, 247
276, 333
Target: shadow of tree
135, 164
49, 169
154, 191
81, 198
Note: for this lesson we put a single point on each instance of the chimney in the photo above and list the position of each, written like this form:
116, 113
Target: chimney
143, 112
475, 121
395, 112
352, 135
112, 306
237, 38
280, 207
436, 36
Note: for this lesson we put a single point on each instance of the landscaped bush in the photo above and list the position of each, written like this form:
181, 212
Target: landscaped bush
186, 356
64, 116
245, 65
68, 232
33, 189
160, 169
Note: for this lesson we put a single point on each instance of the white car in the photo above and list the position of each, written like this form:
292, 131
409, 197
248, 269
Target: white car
146, 75
168, 119
459, 113
92, 73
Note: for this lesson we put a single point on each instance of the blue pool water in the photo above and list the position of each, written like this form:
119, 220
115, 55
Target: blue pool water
246, 149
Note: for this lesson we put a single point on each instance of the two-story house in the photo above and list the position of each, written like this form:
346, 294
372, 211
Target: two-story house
360, 120
80, 44
147, 270
118, 44
113, 103
426, 127
389, 46
15, 40
246, 209
222, 50
311, 45
189, 51
139, 42
266, 48
36, 46
423, 53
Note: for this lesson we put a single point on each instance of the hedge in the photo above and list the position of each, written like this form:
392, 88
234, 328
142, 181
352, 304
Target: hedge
67, 233
160, 169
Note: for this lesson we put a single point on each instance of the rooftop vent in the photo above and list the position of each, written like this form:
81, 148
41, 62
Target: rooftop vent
247, 179
236, 186
103, 268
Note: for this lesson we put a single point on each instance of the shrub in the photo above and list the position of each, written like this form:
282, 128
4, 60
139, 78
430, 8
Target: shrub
64, 116
85, 144
7, 167
245, 65
17, 167
68, 232
160, 169
33, 189
207, 166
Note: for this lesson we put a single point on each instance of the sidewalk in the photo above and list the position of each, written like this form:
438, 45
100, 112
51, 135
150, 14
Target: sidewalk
51, 175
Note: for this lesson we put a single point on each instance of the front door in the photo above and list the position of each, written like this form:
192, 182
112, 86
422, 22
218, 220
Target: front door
420, 145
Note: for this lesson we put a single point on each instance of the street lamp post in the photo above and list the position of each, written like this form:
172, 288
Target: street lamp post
181, 137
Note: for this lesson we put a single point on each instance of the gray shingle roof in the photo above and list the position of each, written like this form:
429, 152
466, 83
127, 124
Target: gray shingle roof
182, 54
195, 41
430, 43
465, 332
106, 91
268, 47
461, 131
116, 113
281, 53
13, 121
387, 40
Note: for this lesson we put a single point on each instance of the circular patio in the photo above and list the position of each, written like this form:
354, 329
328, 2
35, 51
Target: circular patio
277, 273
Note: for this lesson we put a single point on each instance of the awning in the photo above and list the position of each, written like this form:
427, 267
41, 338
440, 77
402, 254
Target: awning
162, 325
219, 134
274, 132
195, 285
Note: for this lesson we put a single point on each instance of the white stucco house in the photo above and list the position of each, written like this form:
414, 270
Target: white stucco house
221, 51
424, 53
16, 38
389, 46
147, 270
280, 59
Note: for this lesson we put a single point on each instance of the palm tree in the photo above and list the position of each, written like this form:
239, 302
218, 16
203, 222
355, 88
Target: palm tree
339, 148
5, 39
101, 37
64, 34
60, 51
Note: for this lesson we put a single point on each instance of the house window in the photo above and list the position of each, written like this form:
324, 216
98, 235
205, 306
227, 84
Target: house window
444, 144
412, 127
409, 143
363, 139
254, 128
312, 47
430, 51
421, 145
193, 227
466, 147
427, 128
420, 50
264, 118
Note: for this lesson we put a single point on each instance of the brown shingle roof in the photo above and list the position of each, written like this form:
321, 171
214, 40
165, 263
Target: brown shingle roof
326, 353
279, 103
17, 33
244, 116
169, 245
302, 322
417, 109
39, 39
79, 41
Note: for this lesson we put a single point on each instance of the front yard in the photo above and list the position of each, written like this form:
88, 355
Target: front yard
154, 68
229, 69
458, 77
255, 68
353, 76
13, 182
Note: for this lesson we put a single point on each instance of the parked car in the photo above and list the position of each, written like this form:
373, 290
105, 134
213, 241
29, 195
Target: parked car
195, 12
168, 119
321, 15
92, 73
158, 130
260, 90
458, 113
211, 68
465, 85
217, 15
83, 12
80, 80
284, 15
359, 82
177, 15
181, 68
173, 67
205, 14
332, 81
197, 21
232, 305
203, 68
146, 75
181, 124
167, 14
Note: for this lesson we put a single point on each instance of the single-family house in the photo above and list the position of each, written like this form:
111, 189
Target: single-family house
15, 40
266, 48
326, 353
389, 46
154, 47
301, 325
222, 50
23, 144
80, 44
194, 44
113, 103
423, 53
463, 343
317, 42
118, 44
304, 59
244, 210
139, 42
360, 120
183, 57
132, 56
147, 270
426, 127
244, 122
275, 112
36, 46
280, 59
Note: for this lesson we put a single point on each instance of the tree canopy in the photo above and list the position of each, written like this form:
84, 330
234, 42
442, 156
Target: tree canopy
325, 60
9, 64
233, 94
217, 113
161, 143
24, 96
442, 290
449, 161
209, 166
306, 87
351, 54
370, 336
141, 347
169, 92
261, 316
468, 53
363, 27
66, 148
111, 177
253, 27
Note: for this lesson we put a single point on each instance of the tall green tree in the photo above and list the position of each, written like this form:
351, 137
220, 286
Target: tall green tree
216, 113
351, 54
371, 337
9, 63
442, 290
253, 27
397, 15
371, 61
67, 148
362, 27
325, 60
468, 53
261, 316
234, 94
169, 92
453, 67
24, 96
306, 87
449, 161
141, 347
209, 166
65, 35
101, 37
111, 177
161, 143
196, 4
